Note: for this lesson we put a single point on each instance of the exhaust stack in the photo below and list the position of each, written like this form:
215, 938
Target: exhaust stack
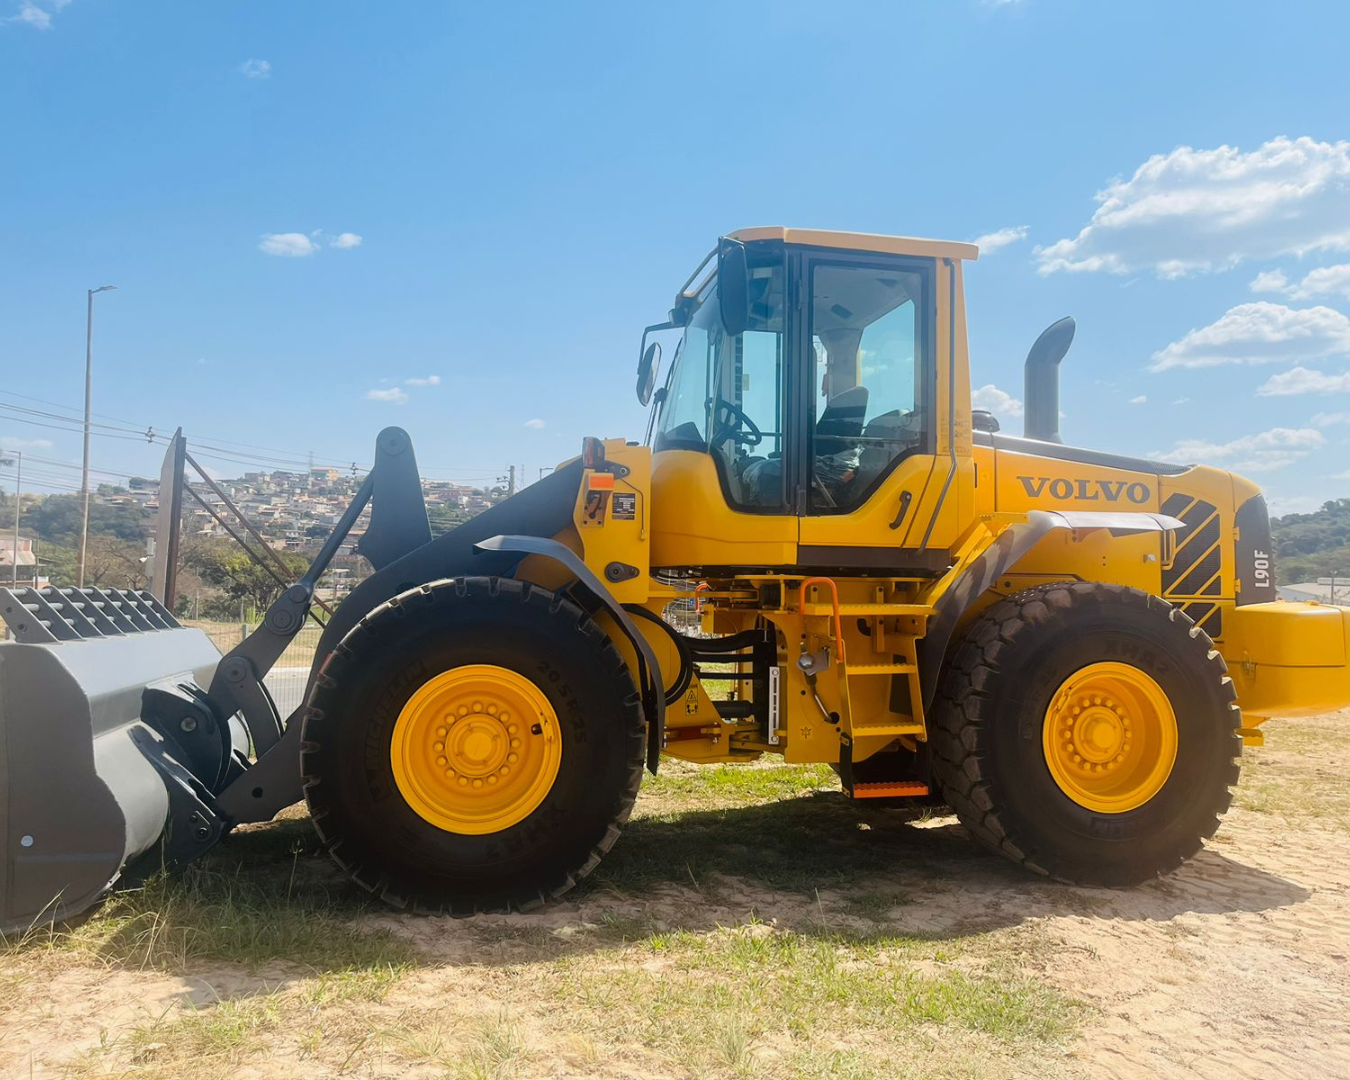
1042, 380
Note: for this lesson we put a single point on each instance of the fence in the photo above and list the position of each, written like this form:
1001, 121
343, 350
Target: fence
286, 681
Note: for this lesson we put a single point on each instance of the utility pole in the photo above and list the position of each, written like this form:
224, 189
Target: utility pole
18, 502
88, 407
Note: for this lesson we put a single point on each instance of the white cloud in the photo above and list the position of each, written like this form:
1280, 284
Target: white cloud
1181, 401
292, 245
536, 423
1329, 419
1269, 281
1260, 333
346, 240
255, 69
1324, 281
991, 242
429, 380
8, 442
36, 13
1202, 210
1301, 380
393, 395
1265, 451
1142, 399
1292, 504
997, 401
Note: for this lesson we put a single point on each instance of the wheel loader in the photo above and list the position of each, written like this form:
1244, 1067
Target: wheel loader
1067, 647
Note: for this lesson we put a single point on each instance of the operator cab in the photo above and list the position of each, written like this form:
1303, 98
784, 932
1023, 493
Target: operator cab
821, 382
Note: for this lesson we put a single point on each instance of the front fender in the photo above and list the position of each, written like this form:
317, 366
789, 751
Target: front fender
649, 669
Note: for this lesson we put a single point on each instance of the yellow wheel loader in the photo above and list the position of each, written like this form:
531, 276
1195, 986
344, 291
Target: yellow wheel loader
1066, 646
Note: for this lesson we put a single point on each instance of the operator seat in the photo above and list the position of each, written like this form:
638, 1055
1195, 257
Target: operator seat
842, 421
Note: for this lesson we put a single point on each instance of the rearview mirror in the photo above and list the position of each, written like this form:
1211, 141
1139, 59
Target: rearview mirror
648, 367
733, 286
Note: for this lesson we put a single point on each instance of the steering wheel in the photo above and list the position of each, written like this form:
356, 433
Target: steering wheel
730, 422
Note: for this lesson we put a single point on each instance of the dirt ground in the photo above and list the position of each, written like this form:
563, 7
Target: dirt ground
725, 962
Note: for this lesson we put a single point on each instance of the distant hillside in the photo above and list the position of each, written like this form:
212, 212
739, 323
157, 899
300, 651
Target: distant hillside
1309, 546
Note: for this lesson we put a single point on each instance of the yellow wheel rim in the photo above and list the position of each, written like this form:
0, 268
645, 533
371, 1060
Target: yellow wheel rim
476, 749
1110, 737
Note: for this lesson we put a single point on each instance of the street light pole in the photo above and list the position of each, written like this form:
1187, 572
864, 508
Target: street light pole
88, 407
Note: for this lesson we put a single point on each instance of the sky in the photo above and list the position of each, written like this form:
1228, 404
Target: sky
325, 218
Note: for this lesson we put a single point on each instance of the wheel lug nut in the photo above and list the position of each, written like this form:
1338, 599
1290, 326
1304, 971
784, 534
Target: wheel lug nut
492, 779
441, 762
478, 783
440, 731
439, 747
477, 706
512, 758
492, 710
463, 710
463, 781
512, 729
515, 744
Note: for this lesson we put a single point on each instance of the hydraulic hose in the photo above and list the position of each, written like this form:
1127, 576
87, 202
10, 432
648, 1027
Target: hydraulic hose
686, 674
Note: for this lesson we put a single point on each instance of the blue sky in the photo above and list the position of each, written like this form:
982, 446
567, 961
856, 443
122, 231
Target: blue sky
304, 206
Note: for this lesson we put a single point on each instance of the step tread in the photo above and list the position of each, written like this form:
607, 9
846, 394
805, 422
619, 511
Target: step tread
895, 789
882, 669
888, 729
887, 610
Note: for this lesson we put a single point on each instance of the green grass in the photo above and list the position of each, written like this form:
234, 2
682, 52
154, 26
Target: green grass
259, 899
1302, 773
720, 999
645, 978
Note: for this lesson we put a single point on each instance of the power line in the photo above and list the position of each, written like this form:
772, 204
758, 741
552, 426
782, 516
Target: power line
128, 430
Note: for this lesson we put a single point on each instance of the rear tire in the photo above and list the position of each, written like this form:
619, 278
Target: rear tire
995, 748
371, 820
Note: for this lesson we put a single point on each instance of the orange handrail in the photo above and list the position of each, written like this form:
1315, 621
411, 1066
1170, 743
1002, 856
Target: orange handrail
834, 598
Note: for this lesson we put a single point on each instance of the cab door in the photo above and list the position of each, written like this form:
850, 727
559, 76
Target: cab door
880, 421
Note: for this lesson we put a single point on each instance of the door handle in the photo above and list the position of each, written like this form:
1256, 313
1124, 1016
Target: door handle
905, 499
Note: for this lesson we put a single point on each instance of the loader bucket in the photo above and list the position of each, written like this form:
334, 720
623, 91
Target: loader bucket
84, 784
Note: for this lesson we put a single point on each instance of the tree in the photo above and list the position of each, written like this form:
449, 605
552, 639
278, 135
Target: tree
56, 519
223, 565
1309, 546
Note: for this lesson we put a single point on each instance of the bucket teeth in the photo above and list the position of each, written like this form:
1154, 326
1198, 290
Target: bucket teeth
43, 616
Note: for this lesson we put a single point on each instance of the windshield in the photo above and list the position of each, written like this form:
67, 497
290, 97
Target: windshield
725, 394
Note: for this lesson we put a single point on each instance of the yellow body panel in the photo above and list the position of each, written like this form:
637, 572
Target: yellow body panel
1288, 659
693, 526
862, 242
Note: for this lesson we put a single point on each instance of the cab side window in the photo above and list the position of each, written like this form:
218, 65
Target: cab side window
867, 334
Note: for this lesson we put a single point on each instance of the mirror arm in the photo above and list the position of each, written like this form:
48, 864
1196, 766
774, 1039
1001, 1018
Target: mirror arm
642, 349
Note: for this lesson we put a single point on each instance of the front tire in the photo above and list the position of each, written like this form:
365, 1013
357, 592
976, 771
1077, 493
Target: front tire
472, 745
1087, 732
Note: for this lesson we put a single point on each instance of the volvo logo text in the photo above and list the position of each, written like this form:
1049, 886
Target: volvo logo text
1085, 490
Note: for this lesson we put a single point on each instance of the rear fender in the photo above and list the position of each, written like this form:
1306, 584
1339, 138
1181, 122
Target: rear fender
989, 554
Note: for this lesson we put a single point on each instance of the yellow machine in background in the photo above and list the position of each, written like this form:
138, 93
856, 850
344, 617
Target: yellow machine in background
1068, 647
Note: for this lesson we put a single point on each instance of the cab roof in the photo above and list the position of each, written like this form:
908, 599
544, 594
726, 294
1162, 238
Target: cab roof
852, 241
